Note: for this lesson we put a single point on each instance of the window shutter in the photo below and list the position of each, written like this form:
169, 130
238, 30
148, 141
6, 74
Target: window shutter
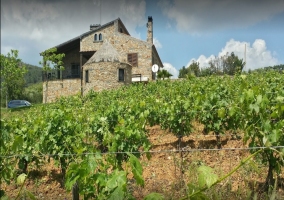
133, 59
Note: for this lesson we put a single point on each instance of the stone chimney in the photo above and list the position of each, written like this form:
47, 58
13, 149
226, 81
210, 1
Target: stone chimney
150, 30
94, 26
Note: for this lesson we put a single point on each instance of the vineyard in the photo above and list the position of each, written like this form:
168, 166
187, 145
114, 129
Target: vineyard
217, 137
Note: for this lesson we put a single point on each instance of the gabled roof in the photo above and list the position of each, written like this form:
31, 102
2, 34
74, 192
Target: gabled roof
156, 52
107, 53
75, 42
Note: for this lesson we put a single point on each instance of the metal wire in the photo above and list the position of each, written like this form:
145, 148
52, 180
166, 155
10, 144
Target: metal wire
144, 152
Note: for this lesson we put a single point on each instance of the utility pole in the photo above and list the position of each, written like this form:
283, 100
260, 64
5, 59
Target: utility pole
100, 12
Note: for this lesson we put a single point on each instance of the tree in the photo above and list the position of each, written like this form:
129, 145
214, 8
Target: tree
216, 65
205, 71
164, 74
192, 69
12, 76
51, 60
182, 72
232, 64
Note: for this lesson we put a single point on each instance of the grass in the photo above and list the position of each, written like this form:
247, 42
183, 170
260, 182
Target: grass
7, 113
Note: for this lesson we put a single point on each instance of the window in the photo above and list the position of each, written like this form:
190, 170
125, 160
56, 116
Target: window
75, 70
132, 58
100, 37
96, 37
120, 30
87, 76
58, 74
120, 74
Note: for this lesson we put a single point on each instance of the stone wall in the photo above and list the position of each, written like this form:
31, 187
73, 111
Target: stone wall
88, 42
124, 44
58, 88
104, 76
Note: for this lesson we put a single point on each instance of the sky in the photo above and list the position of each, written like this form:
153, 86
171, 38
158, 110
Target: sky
184, 30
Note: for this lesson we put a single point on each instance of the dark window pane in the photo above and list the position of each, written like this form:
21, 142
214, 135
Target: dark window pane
121, 74
87, 76
75, 71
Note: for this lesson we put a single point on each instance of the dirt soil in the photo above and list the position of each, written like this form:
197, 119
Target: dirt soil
168, 172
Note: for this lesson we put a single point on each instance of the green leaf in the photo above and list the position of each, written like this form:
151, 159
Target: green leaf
254, 107
221, 113
265, 141
274, 136
118, 179
206, 177
117, 194
21, 179
259, 99
280, 99
137, 169
154, 196
100, 179
232, 111
71, 181
18, 143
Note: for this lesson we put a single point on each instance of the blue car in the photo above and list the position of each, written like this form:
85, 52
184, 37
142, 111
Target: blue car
18, 103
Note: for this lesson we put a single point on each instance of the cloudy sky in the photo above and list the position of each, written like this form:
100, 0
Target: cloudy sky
184, 30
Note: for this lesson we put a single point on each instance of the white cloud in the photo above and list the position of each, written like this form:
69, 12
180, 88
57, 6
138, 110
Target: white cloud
207, 15
171, 69
36, 34
257, 55
43, 24
157, 43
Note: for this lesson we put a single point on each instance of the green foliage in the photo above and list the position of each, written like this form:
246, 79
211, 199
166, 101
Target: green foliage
52, 59
136, 169
279, 68
21, 179
33, 75
162, 74
33, 93
206, 177
31, 90
227, 64
232, 64
98, 139
12, 76
192, 69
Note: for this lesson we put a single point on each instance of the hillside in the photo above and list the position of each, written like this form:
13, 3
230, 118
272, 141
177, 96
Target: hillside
33, 75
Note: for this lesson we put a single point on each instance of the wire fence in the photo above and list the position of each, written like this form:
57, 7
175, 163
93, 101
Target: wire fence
170, 171
184, 149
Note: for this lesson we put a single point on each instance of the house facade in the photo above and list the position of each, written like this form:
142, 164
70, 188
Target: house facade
105, 57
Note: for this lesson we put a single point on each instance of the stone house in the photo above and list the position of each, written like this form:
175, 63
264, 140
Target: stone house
105, 57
